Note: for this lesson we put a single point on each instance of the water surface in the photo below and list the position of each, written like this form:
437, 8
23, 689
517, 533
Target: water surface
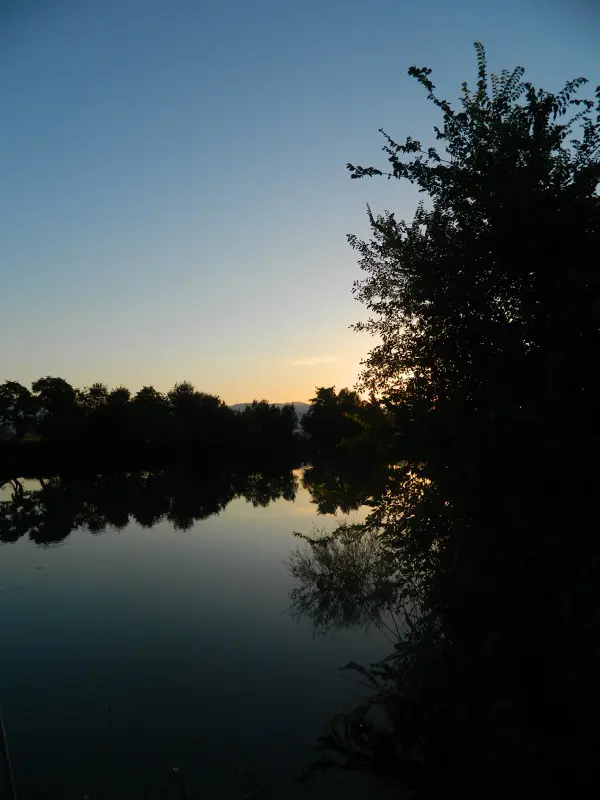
139, 648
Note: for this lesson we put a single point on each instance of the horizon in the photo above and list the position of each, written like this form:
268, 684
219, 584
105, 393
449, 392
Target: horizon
178, 203
197, 388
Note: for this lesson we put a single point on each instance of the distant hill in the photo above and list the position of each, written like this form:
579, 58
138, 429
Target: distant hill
301, 408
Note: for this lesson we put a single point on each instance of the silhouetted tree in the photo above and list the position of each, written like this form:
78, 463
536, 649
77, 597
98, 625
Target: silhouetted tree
486, 303
92, 401
486, 308
267, 426
118, 413
149, 416
332, 417
100, 424
58, 416
17, 408
199, 419
94, 397
107, 415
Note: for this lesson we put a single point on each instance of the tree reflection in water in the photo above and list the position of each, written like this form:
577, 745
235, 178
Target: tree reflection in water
490, 683
58, 505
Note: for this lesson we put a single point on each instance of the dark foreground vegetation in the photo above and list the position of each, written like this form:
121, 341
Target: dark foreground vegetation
482, 552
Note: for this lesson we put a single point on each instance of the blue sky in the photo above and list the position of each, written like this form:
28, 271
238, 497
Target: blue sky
173, 195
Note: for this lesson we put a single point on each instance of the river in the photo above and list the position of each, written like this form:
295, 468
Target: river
129, 649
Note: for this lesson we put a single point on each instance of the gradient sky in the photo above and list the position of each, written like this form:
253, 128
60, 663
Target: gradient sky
173, 193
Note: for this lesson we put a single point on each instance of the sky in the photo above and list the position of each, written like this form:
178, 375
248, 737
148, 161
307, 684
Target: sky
174, 202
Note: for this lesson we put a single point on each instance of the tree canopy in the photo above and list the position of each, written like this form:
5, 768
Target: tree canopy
488, 299
181, 422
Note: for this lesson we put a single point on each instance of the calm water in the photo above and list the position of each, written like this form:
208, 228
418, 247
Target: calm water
133, 650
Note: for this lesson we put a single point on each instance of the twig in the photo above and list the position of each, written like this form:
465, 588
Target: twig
6, 760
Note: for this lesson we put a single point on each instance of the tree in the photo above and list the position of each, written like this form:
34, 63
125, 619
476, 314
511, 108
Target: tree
486, 305
57, 404
332, 417
183, 398
187, 403
149, 397
487, 302
287, 422
107, 413
118, 397
94, 397
267, 427
199, 419
118, 411
16, 408
150, 416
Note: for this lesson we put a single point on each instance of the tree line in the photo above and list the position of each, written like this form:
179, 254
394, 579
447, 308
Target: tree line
97, 418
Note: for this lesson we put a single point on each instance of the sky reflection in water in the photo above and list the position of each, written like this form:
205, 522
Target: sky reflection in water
132, 651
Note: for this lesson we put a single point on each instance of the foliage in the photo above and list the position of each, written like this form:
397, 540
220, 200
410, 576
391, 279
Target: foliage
487, 302
331, 417
58, 412
486, 309
183, 422
267, 424
342, 421
17, 408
